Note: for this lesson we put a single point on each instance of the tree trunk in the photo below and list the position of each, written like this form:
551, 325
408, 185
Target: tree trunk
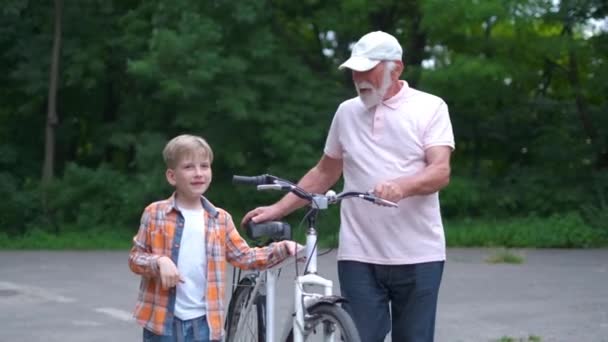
51, 117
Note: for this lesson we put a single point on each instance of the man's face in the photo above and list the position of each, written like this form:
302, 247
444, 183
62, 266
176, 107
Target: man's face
191, 176
372, 85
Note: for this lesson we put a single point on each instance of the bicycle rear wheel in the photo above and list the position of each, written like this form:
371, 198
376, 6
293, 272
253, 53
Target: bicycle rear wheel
245, 321
328, 318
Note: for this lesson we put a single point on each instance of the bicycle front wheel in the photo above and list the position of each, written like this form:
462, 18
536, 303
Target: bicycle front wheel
245, 321
326, 319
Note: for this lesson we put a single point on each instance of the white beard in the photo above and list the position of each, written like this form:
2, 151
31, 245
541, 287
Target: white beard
373, 96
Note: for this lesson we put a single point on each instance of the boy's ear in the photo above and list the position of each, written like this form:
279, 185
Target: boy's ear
170, 174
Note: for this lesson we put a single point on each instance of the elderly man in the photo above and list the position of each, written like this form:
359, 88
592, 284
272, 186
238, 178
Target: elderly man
397, 141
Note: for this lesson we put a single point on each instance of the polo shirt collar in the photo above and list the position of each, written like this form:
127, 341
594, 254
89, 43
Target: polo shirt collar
395, 101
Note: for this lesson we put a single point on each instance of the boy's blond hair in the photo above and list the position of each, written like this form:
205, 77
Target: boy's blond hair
185, 145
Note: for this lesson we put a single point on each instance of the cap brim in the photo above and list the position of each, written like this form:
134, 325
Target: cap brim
359, 63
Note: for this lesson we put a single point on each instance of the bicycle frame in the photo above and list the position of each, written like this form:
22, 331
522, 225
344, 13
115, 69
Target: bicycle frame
303, 301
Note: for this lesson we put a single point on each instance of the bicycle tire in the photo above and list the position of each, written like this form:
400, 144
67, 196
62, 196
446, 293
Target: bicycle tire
245, 324
330, 314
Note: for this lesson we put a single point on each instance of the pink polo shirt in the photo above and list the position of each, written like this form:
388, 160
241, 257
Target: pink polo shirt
382, 144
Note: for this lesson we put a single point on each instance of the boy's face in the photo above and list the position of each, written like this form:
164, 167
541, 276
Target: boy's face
191, 176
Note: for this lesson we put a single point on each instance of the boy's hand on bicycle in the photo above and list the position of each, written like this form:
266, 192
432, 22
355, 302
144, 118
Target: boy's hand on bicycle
169, 275
294, 247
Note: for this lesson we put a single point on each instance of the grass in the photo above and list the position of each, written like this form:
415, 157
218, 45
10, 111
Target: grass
505, 256
531, 338
564, 231
559, 231
78, 240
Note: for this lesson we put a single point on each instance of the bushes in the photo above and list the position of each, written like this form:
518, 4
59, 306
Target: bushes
104, 204
83, 199
557, 231
595, 212
21, 204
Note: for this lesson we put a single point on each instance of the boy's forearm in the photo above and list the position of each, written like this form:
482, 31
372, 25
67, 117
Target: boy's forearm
239, 254
261, 257
142, 263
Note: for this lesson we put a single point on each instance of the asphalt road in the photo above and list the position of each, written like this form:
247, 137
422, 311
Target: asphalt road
556, 295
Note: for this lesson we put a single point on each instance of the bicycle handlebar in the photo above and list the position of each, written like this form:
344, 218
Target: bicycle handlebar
253, 180
270, 182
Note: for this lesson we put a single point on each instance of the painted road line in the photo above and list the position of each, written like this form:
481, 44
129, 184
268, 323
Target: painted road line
35, 291
116, 313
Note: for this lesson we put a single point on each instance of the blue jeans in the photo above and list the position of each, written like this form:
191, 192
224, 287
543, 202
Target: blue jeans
192, 330
410, 291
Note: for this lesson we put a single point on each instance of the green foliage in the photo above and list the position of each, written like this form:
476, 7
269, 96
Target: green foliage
86, 198
595, 212
524, 82
463, 198
556, 231
98, 238
505, 256
21, 205
531, 338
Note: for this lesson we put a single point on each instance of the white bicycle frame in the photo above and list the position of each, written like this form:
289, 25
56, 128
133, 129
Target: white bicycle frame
302, 299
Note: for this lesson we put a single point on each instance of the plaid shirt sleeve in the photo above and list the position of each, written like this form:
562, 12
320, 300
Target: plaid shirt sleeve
239, 254
141, 259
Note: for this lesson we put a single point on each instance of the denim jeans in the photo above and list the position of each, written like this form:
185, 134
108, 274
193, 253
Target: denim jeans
192, 330
408, 291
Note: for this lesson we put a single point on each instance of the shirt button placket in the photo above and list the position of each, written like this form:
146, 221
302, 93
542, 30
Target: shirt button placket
378, 123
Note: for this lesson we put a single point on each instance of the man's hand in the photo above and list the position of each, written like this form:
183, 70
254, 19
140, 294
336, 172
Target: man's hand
262, 214
169, 275
389, 190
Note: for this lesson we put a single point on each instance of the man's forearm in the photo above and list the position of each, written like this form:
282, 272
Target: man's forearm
316, 180
430, 180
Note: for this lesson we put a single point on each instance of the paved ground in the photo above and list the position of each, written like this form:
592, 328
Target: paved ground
557, 295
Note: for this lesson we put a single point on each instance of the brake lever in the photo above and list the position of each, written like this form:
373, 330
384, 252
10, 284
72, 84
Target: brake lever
270, 187
380, 201
276, 186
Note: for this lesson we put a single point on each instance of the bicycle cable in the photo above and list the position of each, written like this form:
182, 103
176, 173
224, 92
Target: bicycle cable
314, 247
297, 228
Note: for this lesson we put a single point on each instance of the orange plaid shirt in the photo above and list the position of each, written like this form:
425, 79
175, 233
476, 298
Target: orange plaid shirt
160, 235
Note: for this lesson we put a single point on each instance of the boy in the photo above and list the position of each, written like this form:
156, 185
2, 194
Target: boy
181, 248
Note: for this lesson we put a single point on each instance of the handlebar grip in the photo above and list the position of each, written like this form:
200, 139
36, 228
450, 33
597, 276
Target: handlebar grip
250, 180
276, 230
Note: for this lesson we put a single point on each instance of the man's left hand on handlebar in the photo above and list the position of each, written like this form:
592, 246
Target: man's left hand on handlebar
262, 214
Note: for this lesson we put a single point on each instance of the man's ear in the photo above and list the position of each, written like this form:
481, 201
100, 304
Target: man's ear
398, 70
170, 174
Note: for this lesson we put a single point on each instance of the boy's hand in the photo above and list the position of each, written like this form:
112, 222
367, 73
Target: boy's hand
169, 275
294, 248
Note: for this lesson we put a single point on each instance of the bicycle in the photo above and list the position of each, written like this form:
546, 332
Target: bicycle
251, 312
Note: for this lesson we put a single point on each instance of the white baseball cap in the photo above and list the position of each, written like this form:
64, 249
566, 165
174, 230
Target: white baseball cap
371, 49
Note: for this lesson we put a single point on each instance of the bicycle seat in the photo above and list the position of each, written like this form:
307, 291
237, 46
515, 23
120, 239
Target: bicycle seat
275, 230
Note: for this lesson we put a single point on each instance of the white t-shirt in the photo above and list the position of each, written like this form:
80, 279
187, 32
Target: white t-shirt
192, 265
384, 143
